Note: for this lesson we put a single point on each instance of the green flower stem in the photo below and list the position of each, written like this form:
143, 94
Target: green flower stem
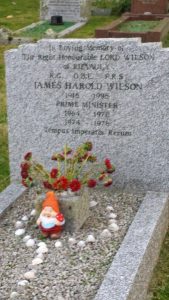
83, 164
65, 161
59, 167
40, 170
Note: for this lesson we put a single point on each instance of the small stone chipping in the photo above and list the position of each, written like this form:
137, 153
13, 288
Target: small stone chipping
68, 272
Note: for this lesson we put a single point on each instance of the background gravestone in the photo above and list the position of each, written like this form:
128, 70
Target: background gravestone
71, 10
153, 6
113, 92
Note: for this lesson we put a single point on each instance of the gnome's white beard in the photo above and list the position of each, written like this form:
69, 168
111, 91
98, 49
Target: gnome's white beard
47, 222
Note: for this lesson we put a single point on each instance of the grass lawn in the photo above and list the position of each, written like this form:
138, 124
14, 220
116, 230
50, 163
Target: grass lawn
88, 31
38, 32
4, 166
137, 26
159, 287
23, 12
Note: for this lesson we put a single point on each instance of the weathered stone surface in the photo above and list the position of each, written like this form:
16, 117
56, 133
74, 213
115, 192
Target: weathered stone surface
70, 10
75, 209
129, 275
10, 195
113, 92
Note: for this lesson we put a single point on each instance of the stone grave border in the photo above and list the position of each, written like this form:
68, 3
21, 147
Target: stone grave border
61, 33
128, 276
23, 40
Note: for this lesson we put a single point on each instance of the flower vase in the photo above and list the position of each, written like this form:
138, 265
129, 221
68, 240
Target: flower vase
75, 208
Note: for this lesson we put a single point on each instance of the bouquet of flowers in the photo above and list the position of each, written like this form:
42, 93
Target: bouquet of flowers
73, 170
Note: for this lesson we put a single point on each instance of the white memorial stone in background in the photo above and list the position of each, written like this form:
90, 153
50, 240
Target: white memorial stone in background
113, 92
70, 10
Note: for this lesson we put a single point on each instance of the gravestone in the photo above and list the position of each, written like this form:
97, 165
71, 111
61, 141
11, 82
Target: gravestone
113, 92
152, 6
70, 10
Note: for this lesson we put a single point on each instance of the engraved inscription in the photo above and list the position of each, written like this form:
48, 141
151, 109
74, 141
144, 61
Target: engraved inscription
87, 88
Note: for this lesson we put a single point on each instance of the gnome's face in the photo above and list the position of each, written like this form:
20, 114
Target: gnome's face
48, 212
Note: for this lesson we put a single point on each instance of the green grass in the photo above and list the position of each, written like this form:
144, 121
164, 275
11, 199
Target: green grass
4, 161
4, 167
88, 30
159, 287
24, 12
137, 26
38, 32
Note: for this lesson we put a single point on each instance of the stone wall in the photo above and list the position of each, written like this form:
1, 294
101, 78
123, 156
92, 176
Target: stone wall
71, 10
153, 6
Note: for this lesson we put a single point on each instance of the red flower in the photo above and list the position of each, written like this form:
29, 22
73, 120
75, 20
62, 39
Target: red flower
108, 163
108, 182
24, 174
75, 185
91, 183
61, 183
24, 167
102, 176
47, 185
54, 157
28, 156
110, 171
58, 156
54, 173
24, 183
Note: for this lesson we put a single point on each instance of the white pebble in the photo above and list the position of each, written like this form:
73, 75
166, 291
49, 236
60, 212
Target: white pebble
113, 227
30, 243
93, 203
105, 234
72, 241
109, 208
42, 244
19, 225
26, 238
23, 282
33, 212
19, 232
58, 244
29, 275
112, 221
59, 297
112, 216
14, 295
25, 218
81, 244
40, 255
37, 261
90, 238
42, 250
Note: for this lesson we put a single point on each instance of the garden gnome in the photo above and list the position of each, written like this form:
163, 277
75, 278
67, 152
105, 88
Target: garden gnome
51, 221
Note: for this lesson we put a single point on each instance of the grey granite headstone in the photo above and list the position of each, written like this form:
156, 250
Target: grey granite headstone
114, 92
70, 10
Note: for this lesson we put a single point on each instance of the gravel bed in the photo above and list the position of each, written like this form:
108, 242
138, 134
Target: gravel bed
67, 273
